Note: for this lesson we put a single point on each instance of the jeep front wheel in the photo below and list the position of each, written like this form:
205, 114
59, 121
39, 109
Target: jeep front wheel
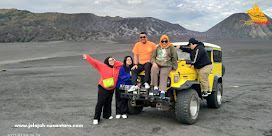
187, 106
134, 109
214, 100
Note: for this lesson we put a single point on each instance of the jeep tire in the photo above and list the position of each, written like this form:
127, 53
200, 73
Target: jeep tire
214, 100
187, 106
134, 109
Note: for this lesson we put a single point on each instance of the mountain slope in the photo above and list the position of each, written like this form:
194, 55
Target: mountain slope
231, 27
23, 26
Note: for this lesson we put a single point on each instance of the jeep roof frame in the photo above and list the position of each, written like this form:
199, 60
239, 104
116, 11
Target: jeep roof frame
206, 44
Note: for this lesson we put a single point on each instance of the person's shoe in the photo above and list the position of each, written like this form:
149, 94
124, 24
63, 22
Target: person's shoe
118, 116
162, 95
133, 88
204, 94
124, 116
111, 117
156, 92
135, 92
151, 92
146, 85
209, 92
95, 122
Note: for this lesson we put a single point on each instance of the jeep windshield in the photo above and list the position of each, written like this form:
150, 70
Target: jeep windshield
183, 55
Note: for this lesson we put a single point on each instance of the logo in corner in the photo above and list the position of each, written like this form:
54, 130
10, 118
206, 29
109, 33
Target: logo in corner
257, 16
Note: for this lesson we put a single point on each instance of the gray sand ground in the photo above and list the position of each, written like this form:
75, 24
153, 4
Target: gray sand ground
50, 83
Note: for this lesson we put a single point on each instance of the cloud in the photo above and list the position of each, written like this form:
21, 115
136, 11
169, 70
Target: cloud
179, 5
268, 12
134, 1
198, 15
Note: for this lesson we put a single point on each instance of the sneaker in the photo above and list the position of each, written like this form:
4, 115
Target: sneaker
111, 117
151, 92
95, 122
133, 88
118, 116
135, 92
146, 85
124, 116
204, 94
209, 92
162, 95
156, 92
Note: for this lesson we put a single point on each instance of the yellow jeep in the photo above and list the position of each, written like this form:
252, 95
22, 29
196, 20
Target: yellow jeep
183, 88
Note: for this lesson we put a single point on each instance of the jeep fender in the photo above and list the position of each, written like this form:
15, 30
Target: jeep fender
190, 84
216, 79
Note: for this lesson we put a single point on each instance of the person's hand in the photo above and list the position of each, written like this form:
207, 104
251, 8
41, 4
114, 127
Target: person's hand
84, 56
177, 46
189, 65
174, 71
155, 65
134, 67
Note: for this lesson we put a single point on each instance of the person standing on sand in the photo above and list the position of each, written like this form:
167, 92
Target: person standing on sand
125, 79
108, 70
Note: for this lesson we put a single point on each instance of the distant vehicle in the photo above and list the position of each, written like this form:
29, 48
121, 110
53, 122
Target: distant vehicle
183, 88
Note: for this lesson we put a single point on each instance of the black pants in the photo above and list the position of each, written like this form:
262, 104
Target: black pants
135, 72
103, 101
121, 103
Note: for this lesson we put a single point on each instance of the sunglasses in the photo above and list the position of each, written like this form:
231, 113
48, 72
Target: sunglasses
142, 37
164, 41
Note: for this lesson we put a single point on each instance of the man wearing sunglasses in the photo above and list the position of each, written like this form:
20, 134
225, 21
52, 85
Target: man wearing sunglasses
143, 50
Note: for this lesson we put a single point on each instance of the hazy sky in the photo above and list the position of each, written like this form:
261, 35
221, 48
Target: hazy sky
198, 15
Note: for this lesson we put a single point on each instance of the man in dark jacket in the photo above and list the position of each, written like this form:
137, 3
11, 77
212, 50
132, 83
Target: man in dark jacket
201, 62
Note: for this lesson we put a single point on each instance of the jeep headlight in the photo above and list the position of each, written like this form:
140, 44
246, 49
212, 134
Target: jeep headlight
168, 82
176, 78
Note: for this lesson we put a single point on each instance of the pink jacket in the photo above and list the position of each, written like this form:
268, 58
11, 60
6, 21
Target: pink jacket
105, 70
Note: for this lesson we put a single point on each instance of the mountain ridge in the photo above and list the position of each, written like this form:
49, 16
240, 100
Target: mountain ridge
25, 26
232, 27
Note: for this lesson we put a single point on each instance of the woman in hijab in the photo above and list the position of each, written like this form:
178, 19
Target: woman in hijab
109, 71
164, 60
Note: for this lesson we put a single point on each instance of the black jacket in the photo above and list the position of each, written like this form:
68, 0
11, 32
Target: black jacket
199, 56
